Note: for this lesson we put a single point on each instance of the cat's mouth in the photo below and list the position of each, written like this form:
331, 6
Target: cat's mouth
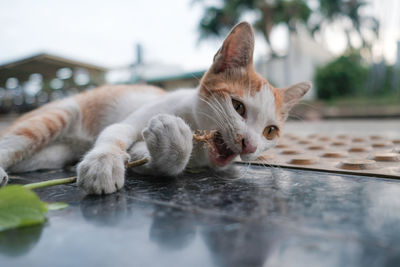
221, 154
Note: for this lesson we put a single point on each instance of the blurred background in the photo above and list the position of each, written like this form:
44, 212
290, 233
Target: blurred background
350, 49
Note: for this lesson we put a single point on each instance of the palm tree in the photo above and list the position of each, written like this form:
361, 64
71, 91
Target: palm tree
332, 11
217, 20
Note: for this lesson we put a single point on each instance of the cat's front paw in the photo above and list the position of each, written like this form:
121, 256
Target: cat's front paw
102, 171
169, 141
3, 177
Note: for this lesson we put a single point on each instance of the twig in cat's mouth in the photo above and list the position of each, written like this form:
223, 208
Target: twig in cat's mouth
205, 137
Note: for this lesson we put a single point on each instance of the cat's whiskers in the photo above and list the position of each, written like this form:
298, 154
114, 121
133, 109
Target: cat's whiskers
220, 125
205, 114
213, 107
228, 123
221, 110
225, 122
309, 105
269, 166
222, 114
212, 94
222, 117
245, 169
298, 117
217, 109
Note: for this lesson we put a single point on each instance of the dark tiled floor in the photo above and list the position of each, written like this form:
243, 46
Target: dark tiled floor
252, 217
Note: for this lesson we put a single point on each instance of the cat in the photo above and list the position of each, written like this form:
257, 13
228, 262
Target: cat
110, 125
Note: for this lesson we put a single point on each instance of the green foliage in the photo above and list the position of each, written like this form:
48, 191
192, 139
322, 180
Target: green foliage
218, 20
337, 10
220, 17
20, 207
384, 80
291, 12
345, 76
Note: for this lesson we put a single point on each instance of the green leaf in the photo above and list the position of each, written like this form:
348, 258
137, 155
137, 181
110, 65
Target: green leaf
57, 206
20, 207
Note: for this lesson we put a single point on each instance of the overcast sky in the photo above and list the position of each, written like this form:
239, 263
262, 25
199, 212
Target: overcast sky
105, 32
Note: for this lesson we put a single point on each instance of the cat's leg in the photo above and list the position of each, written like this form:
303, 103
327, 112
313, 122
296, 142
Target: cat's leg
168, 143
102, 169
30, 134
54, 156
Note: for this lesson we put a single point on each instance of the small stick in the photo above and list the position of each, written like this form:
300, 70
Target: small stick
72, 179
201, 136
51, 183
138, 162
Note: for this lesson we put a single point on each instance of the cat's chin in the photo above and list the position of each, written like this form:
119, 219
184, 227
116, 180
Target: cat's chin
221, 161
220, 154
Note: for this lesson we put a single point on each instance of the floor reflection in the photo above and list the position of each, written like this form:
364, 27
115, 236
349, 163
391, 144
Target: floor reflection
253, 217
172, 229
216, 208
107, 210
18, 242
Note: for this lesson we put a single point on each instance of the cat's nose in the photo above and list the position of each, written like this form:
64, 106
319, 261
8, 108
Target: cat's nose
247, 147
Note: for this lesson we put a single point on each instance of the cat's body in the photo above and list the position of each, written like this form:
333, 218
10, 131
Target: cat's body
118, 123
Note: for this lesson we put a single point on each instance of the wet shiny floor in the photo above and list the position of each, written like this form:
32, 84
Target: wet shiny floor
253, 216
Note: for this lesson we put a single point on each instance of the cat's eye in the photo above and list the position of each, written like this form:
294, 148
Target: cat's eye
239, 107
270, 132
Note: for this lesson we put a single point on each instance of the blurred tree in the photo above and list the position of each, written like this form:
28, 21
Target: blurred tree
345, 76
347, 12
383, 79
219, 19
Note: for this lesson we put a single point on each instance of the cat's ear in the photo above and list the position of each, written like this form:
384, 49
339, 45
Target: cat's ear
291, 95
237, 49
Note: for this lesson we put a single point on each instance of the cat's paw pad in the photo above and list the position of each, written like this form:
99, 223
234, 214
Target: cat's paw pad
102, 171
3, 177
169, 141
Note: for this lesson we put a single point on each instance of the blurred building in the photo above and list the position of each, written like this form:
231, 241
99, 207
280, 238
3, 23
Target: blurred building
166, 76
299, 64
35, 80
169, 77
181, 80
398, 55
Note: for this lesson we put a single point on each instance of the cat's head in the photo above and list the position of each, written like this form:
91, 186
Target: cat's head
247, 111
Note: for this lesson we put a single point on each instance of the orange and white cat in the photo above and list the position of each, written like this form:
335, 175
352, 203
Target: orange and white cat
107, 126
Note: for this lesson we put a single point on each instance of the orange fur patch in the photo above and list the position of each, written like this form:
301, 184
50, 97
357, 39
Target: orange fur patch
51, 125
94, 103
239, 83
120, 145
61, 119
278, 100
27, 132
40, 126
